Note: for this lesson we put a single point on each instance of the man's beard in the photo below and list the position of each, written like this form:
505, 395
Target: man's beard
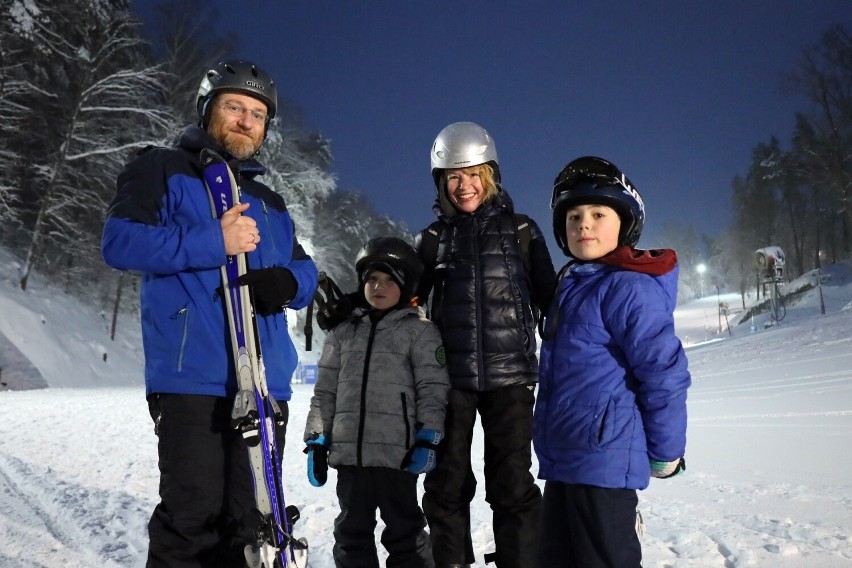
238, 146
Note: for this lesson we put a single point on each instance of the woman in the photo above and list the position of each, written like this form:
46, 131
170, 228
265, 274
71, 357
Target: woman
484, 300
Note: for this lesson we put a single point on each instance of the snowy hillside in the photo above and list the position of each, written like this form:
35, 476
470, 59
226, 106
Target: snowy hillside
768, 480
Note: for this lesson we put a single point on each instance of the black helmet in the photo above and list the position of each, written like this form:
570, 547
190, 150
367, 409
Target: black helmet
238, 76
393, 256
594, 180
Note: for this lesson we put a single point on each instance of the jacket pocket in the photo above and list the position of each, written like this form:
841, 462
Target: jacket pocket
270, 234
604, 422
405, 420
524, 314
182, 317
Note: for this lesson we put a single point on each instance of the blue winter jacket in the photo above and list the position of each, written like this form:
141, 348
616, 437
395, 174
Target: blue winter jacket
160, 223
613, 379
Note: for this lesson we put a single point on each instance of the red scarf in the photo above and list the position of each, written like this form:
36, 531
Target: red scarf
655, 262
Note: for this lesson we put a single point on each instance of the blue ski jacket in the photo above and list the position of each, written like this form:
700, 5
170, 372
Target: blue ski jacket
160, 223
612, 389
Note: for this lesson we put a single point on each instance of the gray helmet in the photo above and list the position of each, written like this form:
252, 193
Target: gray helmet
238, 76
461, 145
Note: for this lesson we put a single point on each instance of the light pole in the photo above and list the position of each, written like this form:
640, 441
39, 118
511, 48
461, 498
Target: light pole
701, 268
719, 305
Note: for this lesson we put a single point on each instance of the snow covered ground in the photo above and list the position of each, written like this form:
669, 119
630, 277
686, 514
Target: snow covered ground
769, 457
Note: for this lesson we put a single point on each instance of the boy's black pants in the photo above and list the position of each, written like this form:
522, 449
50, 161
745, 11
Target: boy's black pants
362, 490
510, 489
583, 526
207, 512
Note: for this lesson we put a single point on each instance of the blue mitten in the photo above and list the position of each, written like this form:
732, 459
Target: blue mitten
664, 470
317, 450
421, 458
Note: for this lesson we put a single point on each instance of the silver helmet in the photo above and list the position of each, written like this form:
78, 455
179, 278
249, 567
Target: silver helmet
461, 145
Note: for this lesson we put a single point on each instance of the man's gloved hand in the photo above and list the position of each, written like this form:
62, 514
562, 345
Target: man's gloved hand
317, 450
422, 457
330, 315
272, 288
663, 470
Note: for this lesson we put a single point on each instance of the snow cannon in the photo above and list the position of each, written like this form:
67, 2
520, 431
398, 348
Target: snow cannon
770, 262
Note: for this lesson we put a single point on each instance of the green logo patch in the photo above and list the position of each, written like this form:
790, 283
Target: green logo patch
441, 355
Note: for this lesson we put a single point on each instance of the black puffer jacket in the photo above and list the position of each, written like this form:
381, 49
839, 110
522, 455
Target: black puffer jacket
481, 297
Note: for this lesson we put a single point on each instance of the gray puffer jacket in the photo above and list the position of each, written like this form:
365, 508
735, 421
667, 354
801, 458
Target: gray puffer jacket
378, 382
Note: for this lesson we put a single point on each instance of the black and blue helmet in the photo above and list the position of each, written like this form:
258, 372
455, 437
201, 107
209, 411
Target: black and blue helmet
593, 180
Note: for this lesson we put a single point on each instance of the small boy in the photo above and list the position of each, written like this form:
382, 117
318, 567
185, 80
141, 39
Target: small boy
611, 406
377, 413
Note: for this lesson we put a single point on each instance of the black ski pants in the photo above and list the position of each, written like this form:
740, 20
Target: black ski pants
362, 490
510, 489
584, 526
207, 512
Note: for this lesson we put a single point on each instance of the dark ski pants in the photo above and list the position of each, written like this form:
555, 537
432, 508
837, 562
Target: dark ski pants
206, 513
362, 490
583, 526
510, 489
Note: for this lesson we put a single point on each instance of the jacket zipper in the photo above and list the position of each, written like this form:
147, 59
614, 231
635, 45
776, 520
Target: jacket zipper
362, 418
477, 279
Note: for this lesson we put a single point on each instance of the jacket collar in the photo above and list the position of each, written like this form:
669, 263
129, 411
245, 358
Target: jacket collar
193, 139
500, 203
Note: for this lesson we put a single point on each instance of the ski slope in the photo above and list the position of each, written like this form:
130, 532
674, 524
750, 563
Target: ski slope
769, 466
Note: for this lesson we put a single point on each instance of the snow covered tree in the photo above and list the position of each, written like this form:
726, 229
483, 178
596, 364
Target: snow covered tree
184, 44
90, 100
348, 222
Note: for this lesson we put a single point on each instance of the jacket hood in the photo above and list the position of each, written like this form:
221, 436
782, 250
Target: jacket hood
667, 281
655, 262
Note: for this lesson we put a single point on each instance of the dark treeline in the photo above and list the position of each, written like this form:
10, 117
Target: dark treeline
798, 196
81, 90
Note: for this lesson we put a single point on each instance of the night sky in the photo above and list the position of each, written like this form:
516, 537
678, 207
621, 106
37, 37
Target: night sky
677, 94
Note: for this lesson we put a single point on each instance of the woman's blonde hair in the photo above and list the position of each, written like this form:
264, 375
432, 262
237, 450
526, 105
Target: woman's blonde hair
486, 176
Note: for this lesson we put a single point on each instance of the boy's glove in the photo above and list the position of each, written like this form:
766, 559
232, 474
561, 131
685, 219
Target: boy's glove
421, 458
333, 313
272, 288
317, 450
663, 470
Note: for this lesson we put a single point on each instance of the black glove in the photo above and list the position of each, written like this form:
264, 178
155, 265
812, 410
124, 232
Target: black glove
331, 313
272, 288
317, 450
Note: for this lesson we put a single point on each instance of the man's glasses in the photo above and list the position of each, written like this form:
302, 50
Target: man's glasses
237, 110
589, 169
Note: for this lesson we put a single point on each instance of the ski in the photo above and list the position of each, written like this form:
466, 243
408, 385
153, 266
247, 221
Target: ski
255, 411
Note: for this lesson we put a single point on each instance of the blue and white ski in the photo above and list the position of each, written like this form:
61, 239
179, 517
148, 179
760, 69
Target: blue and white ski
255, 411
